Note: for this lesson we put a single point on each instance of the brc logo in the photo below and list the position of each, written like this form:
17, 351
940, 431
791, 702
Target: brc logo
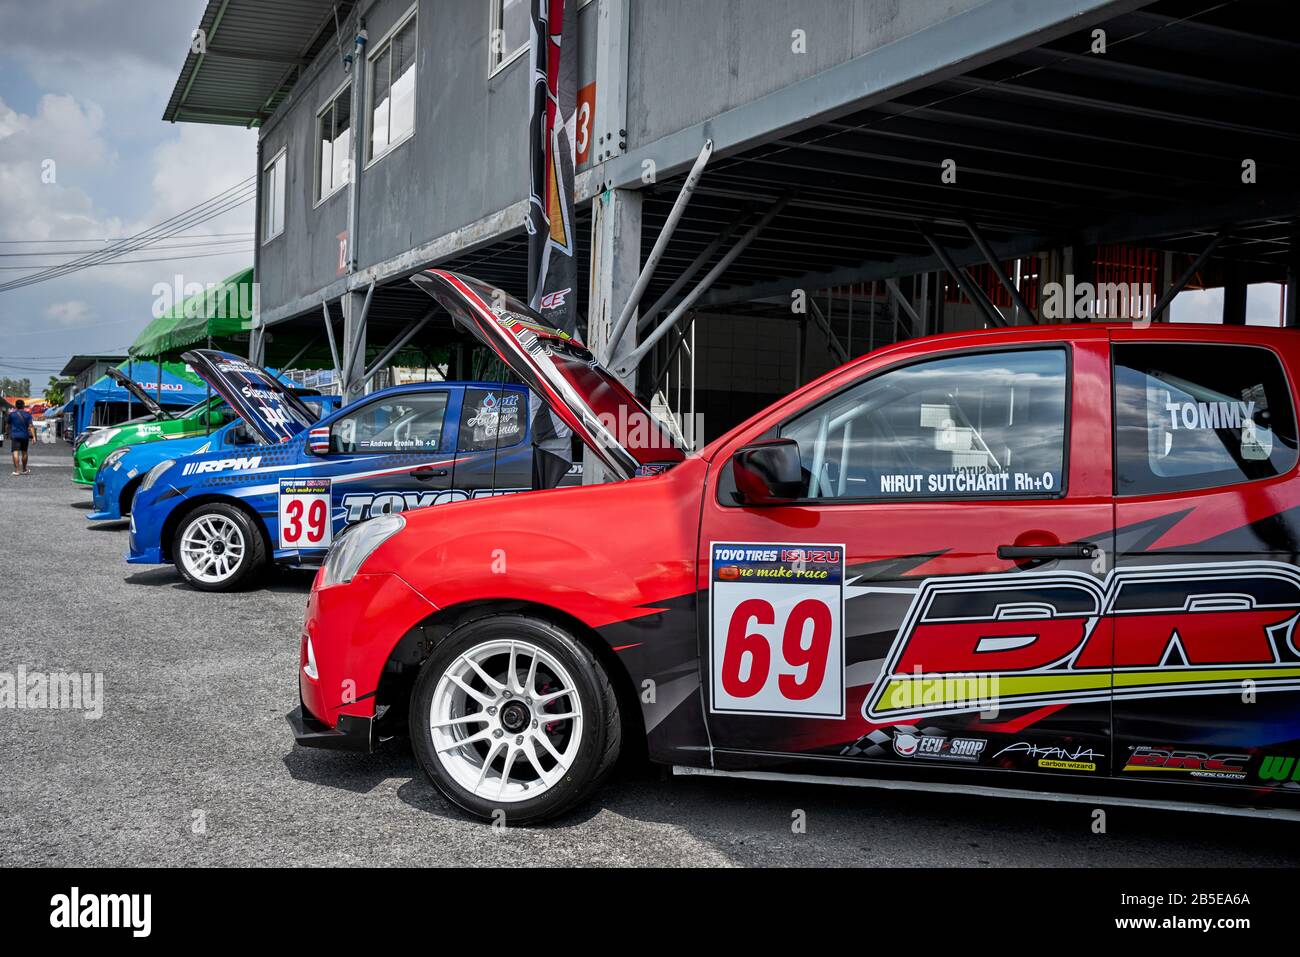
974, 642
1194, 763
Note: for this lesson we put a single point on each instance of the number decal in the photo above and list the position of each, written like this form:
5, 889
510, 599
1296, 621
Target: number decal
305, 513
776, 629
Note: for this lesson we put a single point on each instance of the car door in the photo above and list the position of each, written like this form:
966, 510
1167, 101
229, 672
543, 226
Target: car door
925, 596
493, 451
392, 453
1206, 592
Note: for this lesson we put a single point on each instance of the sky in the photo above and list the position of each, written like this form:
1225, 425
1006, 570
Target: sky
83, 85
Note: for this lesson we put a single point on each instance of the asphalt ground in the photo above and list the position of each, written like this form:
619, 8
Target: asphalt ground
192, 762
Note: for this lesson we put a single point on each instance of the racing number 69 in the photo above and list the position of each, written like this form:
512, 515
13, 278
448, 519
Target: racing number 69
809, 658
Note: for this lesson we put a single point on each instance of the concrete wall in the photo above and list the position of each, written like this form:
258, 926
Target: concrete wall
739, 50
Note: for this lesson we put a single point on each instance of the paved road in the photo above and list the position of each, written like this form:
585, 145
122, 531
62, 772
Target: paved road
193, 738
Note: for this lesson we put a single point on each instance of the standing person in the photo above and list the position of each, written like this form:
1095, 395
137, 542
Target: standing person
20, 433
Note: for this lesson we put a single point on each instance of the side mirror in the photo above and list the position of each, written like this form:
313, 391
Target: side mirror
768, 473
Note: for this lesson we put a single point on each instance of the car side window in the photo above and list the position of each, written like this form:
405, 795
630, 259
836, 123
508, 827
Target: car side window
965, 426
492, 419
400, 423
1194, 416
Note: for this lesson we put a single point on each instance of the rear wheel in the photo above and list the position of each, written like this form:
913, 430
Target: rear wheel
512, 718
217, 547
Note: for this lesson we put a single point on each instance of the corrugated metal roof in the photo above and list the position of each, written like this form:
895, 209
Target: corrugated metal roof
255, 52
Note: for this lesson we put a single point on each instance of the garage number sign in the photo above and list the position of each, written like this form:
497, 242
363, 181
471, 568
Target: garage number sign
777, 629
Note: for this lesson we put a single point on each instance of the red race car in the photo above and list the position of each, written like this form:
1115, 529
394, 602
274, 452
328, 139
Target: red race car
1051, 560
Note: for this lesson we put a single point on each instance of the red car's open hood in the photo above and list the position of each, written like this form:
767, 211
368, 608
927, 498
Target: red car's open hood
560, 369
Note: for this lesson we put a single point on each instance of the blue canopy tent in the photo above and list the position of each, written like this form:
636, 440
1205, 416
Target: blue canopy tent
105, 402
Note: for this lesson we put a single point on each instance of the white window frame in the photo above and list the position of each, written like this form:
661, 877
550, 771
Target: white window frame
496, 9
378, 50
318, 196
284, 193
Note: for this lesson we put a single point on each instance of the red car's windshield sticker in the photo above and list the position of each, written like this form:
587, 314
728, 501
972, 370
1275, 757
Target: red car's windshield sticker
777, 629
985, 642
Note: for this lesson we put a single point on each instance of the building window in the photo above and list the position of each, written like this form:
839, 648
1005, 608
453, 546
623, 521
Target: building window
273, 175
511, 27
392, 88
334, 144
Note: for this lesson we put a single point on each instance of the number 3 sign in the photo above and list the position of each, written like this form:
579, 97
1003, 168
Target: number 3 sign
776, 629
305, 513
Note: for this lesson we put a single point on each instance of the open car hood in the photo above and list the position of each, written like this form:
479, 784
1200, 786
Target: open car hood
148, 401
269, 408
561, 370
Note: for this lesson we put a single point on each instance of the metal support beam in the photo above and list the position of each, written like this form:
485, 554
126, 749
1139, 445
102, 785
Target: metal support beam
824, 324
1186, 277
300, 353
360, 137
612, 21
996, 265
356, 312
696, 265
334, 349
630, 361
917, 324
972, 292
396, 345
661, 244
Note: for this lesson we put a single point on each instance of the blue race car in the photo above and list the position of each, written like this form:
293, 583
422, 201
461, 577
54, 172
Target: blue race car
283, 486
124, 469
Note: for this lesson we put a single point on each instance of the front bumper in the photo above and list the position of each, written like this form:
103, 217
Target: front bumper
353, 629
104, 503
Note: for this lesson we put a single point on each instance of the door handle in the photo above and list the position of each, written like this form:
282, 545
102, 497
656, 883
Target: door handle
1072, 550
425, 475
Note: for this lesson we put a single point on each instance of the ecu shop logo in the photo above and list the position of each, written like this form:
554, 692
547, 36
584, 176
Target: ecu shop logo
971, 643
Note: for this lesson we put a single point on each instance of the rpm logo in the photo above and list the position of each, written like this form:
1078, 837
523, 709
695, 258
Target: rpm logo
1009, 639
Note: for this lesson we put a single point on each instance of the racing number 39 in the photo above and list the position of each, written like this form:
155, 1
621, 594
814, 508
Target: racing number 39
305, 513
776, 629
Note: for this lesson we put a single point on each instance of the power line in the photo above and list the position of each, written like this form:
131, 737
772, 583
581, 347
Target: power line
111, 239
210, 208
177, 248
156, 259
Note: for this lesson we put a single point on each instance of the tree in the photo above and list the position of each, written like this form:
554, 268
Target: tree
10, 386
54, 391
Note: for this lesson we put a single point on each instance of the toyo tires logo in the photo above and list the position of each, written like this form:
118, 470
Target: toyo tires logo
979, 642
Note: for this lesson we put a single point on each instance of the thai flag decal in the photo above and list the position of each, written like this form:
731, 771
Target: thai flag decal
318, 440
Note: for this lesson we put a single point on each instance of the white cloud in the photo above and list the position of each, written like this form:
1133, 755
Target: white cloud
69, 312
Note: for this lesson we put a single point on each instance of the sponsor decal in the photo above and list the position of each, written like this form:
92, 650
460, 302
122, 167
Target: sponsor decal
359, 506
554, 300
776, 617
974, 643
496, 418
938, 747
242, 464
1055, 757
1197, 764
304, 513
1277, 767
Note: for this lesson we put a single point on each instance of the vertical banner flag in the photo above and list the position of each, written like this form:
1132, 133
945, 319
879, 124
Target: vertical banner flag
552, 266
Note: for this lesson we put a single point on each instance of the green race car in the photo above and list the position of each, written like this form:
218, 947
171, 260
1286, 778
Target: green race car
199, 418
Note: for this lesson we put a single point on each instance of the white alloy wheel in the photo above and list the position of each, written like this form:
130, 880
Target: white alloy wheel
212, 547
506, 720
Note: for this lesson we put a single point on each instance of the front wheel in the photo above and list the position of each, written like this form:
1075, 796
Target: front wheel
512, 718
217, 547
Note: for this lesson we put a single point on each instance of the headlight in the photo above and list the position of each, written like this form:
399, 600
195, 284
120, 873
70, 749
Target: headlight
114, 457
349, 553
155, 473
100, 438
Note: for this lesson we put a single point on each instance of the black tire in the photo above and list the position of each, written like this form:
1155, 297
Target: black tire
601, 727
252, 558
